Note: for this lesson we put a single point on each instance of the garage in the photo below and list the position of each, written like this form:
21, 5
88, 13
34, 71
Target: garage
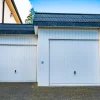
71, 57
68, 49
18, 54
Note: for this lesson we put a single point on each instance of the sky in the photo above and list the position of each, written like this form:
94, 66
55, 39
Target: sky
23, 7
57, 6
67, 6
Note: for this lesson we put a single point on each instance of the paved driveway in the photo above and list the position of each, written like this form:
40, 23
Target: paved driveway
26, 91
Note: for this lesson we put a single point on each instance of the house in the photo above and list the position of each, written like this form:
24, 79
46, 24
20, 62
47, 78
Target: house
59, 49
9, 12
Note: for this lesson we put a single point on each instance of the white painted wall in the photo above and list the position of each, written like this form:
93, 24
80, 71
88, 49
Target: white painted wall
18, 39
7, 18
7, 12
43, 47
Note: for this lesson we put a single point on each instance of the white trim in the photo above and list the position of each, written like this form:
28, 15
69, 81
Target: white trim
69, 27
36, 30
56, 85
18, 44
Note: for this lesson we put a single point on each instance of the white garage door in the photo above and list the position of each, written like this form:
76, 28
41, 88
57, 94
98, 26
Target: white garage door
17, 59
74, 62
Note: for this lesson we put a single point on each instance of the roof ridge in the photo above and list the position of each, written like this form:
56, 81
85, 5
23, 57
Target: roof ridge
65, 13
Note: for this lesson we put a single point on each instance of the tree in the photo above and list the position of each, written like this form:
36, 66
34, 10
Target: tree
30, 17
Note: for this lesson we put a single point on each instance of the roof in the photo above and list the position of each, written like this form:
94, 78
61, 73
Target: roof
66, 19
16, 10
16, 29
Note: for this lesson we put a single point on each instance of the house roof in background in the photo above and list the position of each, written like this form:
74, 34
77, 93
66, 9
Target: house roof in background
16, 10
16, 29
12, 6
66, 19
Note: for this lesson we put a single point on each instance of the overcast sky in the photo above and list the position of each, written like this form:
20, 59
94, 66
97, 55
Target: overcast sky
67, 6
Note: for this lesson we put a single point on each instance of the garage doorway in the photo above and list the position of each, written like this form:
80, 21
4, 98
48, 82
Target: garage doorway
18, 58
74, 61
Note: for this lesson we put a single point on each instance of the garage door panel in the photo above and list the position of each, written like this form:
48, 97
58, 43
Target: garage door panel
19, 58
28, 62
67, 56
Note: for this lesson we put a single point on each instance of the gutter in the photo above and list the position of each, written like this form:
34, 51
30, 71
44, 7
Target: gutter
16, 10
16, 29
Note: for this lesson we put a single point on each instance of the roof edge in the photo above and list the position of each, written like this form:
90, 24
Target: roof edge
16, 29
16, 11
71, 24
67, 13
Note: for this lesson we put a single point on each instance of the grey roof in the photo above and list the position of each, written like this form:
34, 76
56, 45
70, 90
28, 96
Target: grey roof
16, 29
66, 19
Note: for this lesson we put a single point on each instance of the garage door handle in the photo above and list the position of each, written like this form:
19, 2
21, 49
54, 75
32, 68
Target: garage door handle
74, 72
15, 71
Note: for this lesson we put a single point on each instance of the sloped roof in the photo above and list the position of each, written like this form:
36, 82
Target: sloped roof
66, 19
16, 10
12, 6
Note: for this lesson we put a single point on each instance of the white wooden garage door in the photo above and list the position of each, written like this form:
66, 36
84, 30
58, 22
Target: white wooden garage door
74, 62
17, 59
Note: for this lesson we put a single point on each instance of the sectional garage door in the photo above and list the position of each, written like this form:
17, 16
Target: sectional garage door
18, 59
74, 61
74, 57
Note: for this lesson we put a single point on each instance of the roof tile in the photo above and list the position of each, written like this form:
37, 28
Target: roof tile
52, 19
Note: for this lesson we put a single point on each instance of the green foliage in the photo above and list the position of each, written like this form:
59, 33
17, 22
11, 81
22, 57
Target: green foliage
30, 17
